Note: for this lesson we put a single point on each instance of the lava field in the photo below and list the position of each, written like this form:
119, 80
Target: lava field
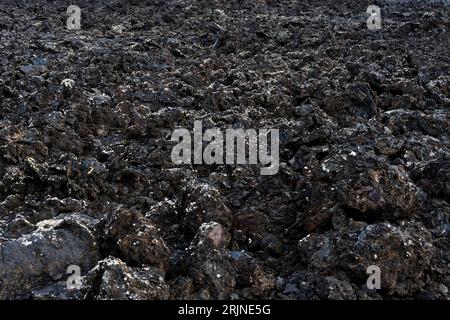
93, 207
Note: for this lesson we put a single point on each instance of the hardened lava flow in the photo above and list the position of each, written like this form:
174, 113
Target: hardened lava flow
86, 178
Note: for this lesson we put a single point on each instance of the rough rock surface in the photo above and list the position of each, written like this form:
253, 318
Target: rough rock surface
86, 177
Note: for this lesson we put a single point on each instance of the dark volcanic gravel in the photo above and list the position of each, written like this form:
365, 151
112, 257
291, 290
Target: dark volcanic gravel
86, 176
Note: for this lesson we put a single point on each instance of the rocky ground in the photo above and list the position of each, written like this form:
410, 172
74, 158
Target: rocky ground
86, 177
